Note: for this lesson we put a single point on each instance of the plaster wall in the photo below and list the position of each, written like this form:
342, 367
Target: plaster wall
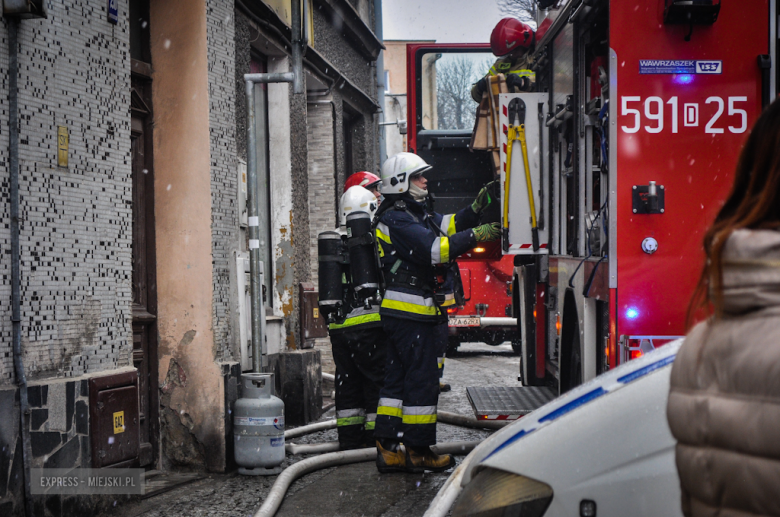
191, 384
280, 164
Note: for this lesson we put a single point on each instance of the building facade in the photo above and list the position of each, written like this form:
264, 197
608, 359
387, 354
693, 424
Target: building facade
132, 149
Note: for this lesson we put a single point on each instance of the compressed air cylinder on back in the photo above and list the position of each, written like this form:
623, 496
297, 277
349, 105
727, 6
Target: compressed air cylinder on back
330, 251
258, 426
362, 255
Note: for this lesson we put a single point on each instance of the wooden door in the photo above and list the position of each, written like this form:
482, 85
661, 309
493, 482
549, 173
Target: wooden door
144, 275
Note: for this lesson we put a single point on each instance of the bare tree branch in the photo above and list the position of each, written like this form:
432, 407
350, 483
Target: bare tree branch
455, 107
523, 10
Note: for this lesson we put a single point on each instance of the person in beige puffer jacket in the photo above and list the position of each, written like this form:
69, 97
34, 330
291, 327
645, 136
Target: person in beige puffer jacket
724, 401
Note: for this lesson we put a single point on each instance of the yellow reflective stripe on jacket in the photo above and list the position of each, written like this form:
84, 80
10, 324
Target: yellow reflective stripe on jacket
440, 250
370, 426
383, 233
524, 73
448, 224
412, 303
357, 320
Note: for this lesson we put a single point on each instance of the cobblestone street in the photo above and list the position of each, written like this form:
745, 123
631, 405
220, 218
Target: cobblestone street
350, 490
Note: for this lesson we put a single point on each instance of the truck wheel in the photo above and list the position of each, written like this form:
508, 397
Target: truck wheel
452, 345
517, 346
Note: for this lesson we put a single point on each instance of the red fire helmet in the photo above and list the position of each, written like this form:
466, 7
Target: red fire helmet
509, 34
363, 179
541, 30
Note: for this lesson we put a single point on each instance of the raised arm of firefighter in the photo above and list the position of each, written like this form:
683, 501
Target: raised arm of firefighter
512, 42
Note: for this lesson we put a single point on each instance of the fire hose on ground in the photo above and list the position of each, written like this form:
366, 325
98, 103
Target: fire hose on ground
275, 497
445, 417
333, 457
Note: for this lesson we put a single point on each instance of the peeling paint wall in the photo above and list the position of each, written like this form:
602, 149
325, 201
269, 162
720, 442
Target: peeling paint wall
191, 384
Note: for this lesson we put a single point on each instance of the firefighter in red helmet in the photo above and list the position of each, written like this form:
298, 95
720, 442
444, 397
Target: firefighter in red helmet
512, 42
365, 179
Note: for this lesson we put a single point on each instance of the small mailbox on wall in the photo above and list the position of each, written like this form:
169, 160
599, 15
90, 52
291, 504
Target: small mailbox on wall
313, 325
114, 420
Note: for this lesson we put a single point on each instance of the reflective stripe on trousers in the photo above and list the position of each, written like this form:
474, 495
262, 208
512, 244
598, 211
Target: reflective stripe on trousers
390, 407
370, 421
350, 417
419, 414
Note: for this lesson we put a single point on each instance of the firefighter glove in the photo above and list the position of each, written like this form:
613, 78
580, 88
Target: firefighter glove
482, 86
483, 199
487, 232
520, 82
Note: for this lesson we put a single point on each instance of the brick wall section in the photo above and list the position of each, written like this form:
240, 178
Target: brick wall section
76, 223
330, 42
224, 181
300, 212
322, 183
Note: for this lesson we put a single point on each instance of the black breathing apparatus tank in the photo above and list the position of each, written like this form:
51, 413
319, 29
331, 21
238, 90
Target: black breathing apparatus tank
333, 264
364, 267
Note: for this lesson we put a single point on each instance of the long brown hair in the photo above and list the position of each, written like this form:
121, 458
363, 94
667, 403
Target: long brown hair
754, 203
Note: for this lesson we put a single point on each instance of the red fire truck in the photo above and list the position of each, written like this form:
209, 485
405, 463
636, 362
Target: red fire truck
639, 114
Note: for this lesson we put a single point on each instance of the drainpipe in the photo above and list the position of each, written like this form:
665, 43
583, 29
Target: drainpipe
297, 46
259, 350
16, 318
380, 80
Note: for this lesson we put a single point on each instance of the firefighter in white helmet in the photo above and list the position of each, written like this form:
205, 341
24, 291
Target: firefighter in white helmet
359, 347
414, 245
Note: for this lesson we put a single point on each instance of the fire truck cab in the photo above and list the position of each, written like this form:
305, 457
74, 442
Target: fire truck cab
442, 117
632, 136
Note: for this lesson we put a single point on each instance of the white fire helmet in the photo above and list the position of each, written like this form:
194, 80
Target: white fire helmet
397, 170
357, 199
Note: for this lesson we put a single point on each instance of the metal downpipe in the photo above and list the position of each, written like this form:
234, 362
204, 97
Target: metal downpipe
276, 495
297, 46
253, 210
16, 318
380, 81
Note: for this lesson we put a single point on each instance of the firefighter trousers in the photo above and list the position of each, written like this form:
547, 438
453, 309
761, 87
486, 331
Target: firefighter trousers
444, 329
407, 402
359, 355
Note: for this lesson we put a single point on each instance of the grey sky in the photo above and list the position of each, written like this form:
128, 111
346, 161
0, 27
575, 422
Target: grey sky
446, 21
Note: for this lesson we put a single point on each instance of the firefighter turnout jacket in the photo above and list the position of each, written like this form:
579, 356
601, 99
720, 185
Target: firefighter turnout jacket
507, 66
411, 243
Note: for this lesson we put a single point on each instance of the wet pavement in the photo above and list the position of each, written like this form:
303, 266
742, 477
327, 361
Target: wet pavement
348, 490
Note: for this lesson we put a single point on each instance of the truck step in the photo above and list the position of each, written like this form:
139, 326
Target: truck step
507, 403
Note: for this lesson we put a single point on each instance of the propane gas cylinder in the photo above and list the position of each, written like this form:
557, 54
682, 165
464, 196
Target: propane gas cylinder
258, 426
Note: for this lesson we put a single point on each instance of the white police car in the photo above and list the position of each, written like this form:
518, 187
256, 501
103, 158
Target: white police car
603, 449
